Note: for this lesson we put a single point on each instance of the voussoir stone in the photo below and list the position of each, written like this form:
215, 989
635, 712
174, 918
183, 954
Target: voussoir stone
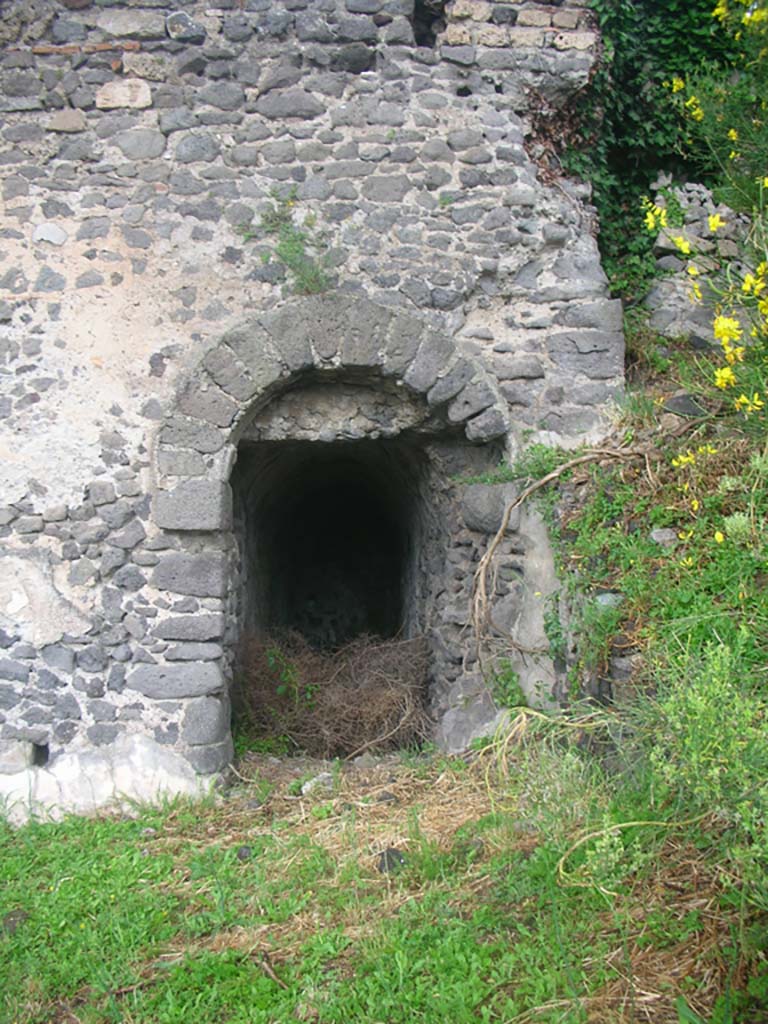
170, 682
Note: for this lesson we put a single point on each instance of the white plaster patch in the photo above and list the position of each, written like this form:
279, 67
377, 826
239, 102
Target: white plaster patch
132, 769
31, 604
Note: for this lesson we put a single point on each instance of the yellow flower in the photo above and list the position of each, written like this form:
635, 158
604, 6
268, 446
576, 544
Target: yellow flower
734, 355
749, 405
733, 155
721, 11
727, 328
677, 84
655, 216
764, 182
733, 135
707, 449
719, 537
725, 378
684, 459
695, 505
693, 270
692, 104
683, 245
715, 221
695, 292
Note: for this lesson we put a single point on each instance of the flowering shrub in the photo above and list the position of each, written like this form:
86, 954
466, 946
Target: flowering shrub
740, 287
628, 121
725, 115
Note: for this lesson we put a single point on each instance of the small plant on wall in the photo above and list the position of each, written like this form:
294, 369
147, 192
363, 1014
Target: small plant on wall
297, 247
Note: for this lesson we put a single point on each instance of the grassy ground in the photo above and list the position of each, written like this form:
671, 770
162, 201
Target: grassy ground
269, 906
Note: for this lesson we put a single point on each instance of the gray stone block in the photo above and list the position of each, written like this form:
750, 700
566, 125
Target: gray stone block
29, 524
101, 492
129, 536
483, 506
92, 658
403, 340
183, 29
180, 463
59, 657
473, 399
196, 504
184, 432
170, 682
433, 357
131, 24
101, 734
194, 652
451, 383
197, 149
596, 354
253, 346
386, 188
224, 95
205, 721
230, 374
140, 143
67, 707
9, 698
489, 425
519, 368
190, 627
292, 103
209, 759
602, 314
14, 670
364, 340
198, 575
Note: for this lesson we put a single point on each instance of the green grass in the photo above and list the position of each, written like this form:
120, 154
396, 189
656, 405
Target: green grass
195, 914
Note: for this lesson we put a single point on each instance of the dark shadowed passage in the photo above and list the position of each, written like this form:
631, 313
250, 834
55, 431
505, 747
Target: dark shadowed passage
329, 536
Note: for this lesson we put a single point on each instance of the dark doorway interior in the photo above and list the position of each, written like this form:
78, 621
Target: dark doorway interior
329, 536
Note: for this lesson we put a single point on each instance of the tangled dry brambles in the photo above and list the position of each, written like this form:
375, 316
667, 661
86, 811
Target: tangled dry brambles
367, 695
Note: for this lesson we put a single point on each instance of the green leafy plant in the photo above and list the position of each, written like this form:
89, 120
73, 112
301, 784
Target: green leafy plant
297, 246
505, 685
629, 128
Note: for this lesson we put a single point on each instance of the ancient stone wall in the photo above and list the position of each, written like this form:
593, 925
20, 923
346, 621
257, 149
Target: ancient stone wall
174, 176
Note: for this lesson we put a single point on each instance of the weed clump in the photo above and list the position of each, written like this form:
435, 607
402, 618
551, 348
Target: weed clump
367, 695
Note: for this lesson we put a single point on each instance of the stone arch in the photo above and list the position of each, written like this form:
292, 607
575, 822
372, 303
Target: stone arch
261, 357
313, 341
